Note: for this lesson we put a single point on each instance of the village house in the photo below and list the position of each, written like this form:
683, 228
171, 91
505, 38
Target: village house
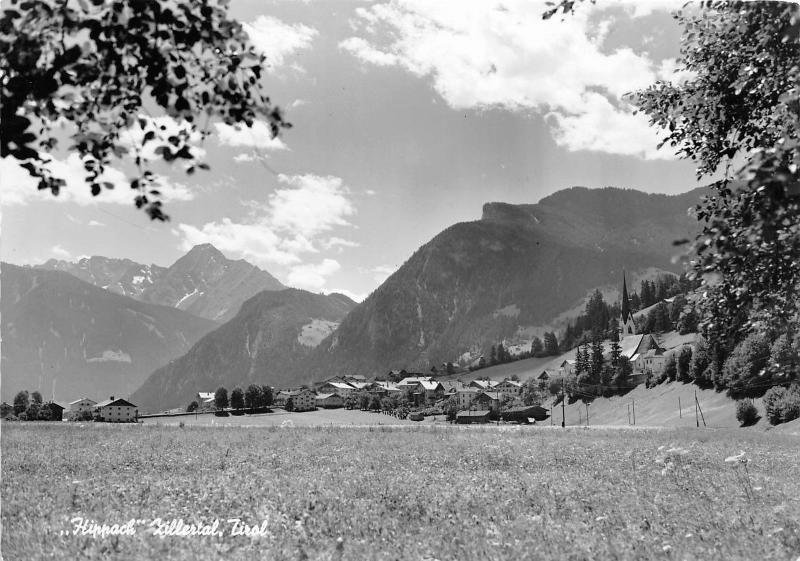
387, 388
465, 396
79, 406
566, 368
205, 401
510, 387
451, 387
653, 361
636, 347
329, 400
525, 414
488, 401
56, 410
302, 399
430, 390
338, 387
411, 382
482, 384
470, 417
116, 411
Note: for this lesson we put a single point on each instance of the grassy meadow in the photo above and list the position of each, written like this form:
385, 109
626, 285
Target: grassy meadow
422, 493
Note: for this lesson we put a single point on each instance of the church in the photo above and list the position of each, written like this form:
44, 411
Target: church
626, 324
642, 350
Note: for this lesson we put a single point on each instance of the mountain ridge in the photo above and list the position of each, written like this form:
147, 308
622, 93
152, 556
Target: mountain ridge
203, 281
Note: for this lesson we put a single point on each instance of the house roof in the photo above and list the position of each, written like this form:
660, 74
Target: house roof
431, 385
205, 395
452, 385
296, 392
493, 395
324, 396
342, 385
468, 390
119, 402
413, 380
473, 413
54, 404
483, 383
361, 385
511, 383
81, 399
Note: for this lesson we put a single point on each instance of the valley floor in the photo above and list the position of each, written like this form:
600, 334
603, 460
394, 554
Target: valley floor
434, 492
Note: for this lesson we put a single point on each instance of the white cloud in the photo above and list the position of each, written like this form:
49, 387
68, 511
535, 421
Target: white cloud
244, 157
259, 136
481, 55
279, 40
282, 231
19, 188
60, 253
356, 296
339, 242
95, 223
313, 204
382, 272
313, 276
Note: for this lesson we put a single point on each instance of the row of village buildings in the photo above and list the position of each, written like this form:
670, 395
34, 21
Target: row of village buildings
643, 350
477, 398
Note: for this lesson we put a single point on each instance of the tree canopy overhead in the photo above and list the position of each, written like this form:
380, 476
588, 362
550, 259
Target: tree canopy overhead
738, 114
100, 67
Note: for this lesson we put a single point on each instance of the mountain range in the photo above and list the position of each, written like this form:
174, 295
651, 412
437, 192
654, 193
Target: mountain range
500, 278
264, 343
203, 282
65, 336
478, 283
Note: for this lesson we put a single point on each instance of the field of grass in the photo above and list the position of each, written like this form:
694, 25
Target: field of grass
279, 417
417, 493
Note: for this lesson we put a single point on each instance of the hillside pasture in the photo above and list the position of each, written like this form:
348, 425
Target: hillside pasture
426, 492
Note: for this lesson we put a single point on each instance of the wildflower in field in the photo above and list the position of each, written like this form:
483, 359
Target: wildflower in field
739, 458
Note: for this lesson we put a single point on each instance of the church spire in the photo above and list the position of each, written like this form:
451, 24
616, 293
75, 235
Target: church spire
626, 306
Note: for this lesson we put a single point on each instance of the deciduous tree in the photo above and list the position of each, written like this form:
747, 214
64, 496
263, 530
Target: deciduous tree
100, 68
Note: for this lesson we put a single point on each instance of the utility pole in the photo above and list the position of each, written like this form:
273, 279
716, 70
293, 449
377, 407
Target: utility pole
629, 413
633, 408
587, 414
680, 410
696, 417
700, 409
563, 404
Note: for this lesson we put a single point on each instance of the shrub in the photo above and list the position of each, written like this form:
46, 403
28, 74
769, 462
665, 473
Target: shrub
221, 413
746, 413
790, 404
745, 366
782, 405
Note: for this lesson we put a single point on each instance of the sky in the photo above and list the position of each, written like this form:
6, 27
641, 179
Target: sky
408, 116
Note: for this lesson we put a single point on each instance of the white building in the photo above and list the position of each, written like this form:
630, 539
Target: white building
79, 406
116, 411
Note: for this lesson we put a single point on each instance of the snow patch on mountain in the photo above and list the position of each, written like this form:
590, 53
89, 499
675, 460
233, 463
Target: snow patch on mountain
111, 356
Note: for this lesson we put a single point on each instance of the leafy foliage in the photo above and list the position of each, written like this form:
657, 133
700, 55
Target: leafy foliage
221, 398
746, 413
740, 104
100, 66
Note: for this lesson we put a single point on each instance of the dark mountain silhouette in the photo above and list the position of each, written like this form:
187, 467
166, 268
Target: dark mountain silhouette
88, 341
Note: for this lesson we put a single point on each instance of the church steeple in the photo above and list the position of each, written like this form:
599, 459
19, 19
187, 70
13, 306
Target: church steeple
626, 325
626, 305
